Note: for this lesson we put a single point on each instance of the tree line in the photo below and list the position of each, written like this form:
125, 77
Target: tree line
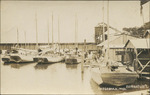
138, 31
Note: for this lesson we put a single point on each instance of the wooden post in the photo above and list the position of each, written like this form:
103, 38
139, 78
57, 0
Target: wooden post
136, 62
83, 51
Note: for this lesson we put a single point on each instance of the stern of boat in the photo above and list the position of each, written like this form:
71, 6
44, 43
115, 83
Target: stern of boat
6, 59
40, 60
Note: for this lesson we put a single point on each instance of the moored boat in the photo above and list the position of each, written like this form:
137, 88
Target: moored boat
19, 55
48, 59
113, 75
48, 56
72, 59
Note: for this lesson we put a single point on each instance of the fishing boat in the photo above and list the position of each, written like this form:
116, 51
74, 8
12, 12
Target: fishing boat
50, 54
19, 55
112, 72
48, 59
23, 55
73, 57
113, 75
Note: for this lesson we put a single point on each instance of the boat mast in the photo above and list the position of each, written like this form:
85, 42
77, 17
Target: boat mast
103, 23
58, 35
36, 32
17, 38
52, 30
76, 31
108, 28
48, 31
25, 38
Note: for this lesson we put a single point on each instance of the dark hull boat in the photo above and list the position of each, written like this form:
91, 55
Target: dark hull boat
72, 59
48, 59
118, 77
6, 59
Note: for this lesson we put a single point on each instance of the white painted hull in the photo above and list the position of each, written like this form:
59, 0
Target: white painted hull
96, 75
17, 58
21, 58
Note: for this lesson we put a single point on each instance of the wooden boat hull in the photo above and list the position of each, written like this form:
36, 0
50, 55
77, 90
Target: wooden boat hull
113, 78
118, 79
42, 59
96, 76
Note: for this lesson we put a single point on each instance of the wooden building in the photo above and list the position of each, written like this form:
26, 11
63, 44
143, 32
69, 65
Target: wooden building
116, 44
100, 36
99, 33
139, 50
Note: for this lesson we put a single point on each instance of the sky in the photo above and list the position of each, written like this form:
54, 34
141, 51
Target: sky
21, 15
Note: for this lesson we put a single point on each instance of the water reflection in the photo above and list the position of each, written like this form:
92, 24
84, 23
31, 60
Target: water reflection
57, 78
71, 66
18, 65
7, 63
140, 84
40, 66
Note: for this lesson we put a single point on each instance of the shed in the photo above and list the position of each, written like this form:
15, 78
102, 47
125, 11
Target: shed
140, 51
116, 44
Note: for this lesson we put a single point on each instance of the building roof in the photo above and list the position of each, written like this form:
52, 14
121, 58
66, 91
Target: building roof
110, 44
117, 41
138, 43
106, 41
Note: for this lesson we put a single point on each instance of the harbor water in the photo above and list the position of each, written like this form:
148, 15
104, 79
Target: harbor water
57, 78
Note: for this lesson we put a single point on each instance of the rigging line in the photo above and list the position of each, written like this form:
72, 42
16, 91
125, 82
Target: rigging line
52, 30
8, 31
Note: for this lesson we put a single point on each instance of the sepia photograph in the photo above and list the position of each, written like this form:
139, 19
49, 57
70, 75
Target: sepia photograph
75, 47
